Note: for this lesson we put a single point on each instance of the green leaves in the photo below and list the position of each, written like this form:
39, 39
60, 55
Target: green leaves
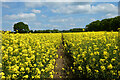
21, 27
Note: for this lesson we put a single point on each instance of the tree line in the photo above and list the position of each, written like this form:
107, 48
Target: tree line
20, 27
103, 25
57, 31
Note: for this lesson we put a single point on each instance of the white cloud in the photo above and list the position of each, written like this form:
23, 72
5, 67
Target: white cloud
92, 19
46, 1
37, 23
22, 16
51, 26
33, 4
73, 7
58, 20
87, 8
65, 20
105, 0
7, 0
70, 9
5, 6
44, 16
36, 11
47, 4
59, 0
106, 7
40, 26
111, 15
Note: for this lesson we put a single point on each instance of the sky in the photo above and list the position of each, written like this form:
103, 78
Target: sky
55, 15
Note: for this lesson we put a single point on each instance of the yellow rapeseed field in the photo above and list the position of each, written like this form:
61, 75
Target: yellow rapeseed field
29, 55
95, 54
32, 55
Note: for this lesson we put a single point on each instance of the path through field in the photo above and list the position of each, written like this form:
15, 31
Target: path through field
62, 62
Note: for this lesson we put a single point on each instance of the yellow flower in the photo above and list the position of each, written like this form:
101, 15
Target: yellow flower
73, 70
110, 66
113, 59
50, 73
83, 55
63, 68
24, 51
32, 77
14, 76
91, 54
60, 76
61, 57
2, 73
3, 48
22, 69
38, 71
96, 71
5, 56
119, 73
51, 76
94, 59
10, 49
105, 53
28, 69
88, 69
35, 65
102, 60
79, 68
37, 76
0, 65
3, 77
42, 70
96, 53
56, 56
102, 67
26, 76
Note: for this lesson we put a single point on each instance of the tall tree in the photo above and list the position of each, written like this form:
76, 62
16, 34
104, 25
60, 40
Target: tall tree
21, 27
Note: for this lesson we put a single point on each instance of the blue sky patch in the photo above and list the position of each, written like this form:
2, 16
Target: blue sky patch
56, 15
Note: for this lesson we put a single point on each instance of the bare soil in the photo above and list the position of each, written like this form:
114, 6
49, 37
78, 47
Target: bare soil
60, 64
63, 62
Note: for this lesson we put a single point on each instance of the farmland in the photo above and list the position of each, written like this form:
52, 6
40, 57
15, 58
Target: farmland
95, 54
29, 55
33, 55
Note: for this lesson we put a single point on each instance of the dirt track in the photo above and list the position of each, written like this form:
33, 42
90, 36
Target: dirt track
62, 62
